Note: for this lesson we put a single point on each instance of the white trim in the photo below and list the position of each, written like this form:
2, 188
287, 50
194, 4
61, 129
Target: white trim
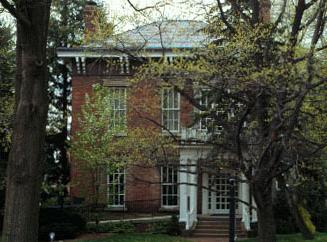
94, 54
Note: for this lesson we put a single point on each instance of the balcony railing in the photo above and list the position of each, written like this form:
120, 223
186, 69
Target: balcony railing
194, 135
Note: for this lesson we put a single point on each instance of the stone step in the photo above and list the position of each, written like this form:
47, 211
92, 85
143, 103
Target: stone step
201, 235
215, 235
214, 231
216, 218
216, 226
217, 223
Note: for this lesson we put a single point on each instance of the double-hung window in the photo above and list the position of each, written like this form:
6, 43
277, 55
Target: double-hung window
169, 186
170, 109
118, 99
116, 188
204, 120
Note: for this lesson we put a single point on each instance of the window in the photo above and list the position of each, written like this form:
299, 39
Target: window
170, 107
169, 187
204, 121
116, 188
118, 96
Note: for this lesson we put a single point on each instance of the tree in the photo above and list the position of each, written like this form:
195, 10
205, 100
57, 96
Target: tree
66, 28
6, 99
257, 74
31, 105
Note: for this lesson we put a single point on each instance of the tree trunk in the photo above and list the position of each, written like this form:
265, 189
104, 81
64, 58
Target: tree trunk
27, 152
266, 221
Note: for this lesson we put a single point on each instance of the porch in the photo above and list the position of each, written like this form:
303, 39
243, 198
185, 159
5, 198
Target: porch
204, 192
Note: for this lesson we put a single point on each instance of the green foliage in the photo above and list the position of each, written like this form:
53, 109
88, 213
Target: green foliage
285, 223
295, 238
121, 227
64, 223
6, 84
160, 227
307, 219
170, 227
97, 130
7, 69
66, 28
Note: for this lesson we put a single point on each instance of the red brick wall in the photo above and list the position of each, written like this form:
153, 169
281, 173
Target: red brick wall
143, 192
80, 180
144, 102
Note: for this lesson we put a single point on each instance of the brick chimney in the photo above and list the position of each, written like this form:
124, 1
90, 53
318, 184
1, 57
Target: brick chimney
90, 13
265, 8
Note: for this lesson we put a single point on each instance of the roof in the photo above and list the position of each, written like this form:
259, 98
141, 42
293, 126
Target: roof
169, 34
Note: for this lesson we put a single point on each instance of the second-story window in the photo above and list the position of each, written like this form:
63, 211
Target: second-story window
118, 96
170, 109
204, 120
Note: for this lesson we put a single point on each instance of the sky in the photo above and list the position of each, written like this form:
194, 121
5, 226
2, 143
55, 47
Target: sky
171, 9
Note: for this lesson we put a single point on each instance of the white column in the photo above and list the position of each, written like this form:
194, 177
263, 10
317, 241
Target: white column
127, 64
121, 61
77, 59
205, 183
183, 190
193, 191
245, 196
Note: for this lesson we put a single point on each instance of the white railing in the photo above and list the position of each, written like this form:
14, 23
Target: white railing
191, 218
192, 134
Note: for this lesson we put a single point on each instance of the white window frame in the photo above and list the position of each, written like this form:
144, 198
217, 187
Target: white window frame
170, 110
170, 184
206, 120
113, 180
119, 109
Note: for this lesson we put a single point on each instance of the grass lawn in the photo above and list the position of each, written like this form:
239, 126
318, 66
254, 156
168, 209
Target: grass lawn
139, 238
320, 237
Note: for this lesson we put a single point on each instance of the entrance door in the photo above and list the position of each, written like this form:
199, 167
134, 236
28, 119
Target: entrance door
218, 195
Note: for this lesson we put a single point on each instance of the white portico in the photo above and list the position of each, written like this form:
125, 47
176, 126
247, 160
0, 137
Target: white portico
202, 193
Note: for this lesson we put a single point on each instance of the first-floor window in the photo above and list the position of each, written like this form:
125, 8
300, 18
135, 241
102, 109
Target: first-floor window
116, 188
169, 186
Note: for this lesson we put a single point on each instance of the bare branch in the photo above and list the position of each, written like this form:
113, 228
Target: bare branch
223, 17
156, 6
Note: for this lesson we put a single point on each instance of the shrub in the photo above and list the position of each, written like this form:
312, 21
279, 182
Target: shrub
65, 224
320, 219
1, 220
307, 219
121, 227
285, 223
159, 227
173, 227
170, 227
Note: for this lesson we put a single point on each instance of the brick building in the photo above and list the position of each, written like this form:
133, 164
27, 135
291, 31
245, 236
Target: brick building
170, 189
